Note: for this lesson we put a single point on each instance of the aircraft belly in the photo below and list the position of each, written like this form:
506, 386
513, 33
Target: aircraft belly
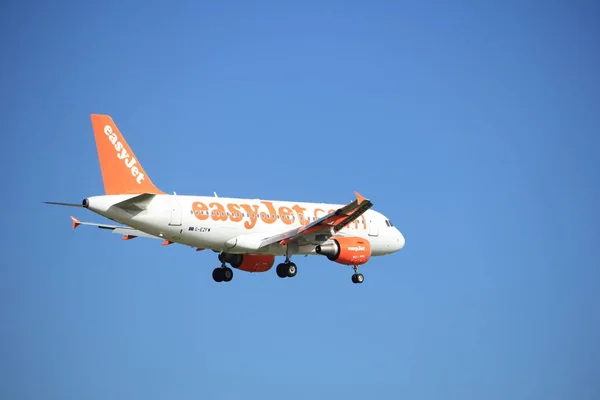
208, 236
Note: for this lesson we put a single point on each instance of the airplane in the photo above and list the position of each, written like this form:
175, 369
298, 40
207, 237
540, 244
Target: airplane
247, 234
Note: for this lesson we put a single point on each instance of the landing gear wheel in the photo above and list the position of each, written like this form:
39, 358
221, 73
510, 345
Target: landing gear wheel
287, 269
227, 274
218, 275
222, 274
291, 270
281, 271
357, 278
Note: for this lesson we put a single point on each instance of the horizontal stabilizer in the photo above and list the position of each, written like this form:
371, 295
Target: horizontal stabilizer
126, 231
63, 204
134, 232
137, 203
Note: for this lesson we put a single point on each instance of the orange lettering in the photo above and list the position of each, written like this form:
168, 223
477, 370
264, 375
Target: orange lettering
198, 209
301, 217
218, 212
271, 216
287, 215
286, 212
252, 215
318, 209
236, 215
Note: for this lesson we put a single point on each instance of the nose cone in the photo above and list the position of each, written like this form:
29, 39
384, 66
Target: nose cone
400, 240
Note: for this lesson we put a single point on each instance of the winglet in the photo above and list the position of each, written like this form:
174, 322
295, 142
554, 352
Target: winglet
128, 237
359, 197
167, 242
75, 222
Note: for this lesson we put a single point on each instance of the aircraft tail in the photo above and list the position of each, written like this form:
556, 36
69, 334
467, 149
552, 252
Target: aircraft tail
121, 170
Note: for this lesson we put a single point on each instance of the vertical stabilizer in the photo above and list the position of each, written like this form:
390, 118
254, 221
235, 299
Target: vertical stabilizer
121, 170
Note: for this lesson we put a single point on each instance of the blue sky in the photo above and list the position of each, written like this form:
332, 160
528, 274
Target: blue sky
472, 125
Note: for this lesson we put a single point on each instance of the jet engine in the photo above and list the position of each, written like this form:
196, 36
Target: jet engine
249, 262
346, 250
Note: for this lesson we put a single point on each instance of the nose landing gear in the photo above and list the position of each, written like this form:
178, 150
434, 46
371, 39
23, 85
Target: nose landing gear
356, 277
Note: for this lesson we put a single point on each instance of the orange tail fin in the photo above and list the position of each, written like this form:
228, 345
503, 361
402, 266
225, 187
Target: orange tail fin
122, 172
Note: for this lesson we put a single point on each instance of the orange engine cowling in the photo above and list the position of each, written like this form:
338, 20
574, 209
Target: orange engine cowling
250, 262
346, 250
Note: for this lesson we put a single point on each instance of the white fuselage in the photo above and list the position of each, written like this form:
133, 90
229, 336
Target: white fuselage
237, 225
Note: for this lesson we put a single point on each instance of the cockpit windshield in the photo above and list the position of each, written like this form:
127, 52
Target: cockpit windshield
389, 223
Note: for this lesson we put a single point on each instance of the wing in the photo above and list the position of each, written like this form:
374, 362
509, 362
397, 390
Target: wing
330, 223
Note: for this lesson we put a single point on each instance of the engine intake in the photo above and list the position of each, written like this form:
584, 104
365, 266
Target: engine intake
346, 250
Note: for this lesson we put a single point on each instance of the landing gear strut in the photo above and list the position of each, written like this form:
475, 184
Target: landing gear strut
287, 269
222, 273
356, 277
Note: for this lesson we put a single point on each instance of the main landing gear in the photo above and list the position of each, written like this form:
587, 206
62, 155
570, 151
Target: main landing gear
356, 277
287, 269
222, 273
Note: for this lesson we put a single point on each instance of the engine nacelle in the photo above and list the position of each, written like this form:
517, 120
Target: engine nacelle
346, 250
249, 262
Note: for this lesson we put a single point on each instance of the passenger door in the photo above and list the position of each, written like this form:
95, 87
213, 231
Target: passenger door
373, 228
175, 212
